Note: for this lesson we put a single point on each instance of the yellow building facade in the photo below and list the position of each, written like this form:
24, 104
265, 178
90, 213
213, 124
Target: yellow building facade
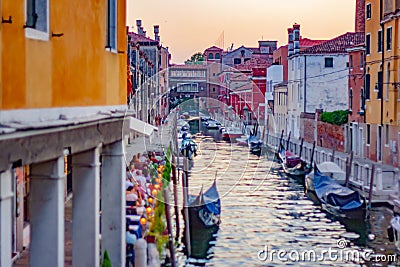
382, 80
63, 100
65, 59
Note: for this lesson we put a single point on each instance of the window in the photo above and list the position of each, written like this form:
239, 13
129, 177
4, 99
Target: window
211, 56
217, 56
362, 102
111, 24
367, 85
329, 62
389, 38
361, 60
380, 41
380, 84
237, 61
351, 99
213, 89
37, 19
187, 87
368, 11
368, 134
387, 134
368, 44
351, 61
387, 82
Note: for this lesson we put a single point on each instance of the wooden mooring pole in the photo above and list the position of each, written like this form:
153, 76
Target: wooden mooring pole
348, 168
371, 186
280, 140
301, 147
175, 190
169, 228
185, 185
288, 140
312, 154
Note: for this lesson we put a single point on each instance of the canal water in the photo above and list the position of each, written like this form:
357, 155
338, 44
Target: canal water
263, 211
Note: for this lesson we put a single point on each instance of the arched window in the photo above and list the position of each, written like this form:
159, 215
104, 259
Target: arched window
217, 56
211, 56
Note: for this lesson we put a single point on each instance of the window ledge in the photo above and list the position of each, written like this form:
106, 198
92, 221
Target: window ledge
111, 50
36, 34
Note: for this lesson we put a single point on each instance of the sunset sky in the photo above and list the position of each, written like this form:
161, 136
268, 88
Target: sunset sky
188, 26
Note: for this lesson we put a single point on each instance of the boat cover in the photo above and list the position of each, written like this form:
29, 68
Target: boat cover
332, 193
210, 199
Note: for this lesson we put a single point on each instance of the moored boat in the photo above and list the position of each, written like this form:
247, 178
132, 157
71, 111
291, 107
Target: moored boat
293, 165
394, 231
212, 125
290, 159
337, 199
329, 169
205, 208
231, 133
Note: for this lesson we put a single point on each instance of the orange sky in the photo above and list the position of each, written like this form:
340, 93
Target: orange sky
188, 26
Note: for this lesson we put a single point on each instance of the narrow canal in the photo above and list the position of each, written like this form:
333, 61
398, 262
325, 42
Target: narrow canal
263, 209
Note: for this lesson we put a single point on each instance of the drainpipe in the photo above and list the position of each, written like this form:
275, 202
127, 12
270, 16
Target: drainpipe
383, 60
305, 83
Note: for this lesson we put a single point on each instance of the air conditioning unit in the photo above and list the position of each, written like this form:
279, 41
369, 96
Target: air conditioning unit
393, 146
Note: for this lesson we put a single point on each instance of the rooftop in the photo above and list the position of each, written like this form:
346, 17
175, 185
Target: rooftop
336, 45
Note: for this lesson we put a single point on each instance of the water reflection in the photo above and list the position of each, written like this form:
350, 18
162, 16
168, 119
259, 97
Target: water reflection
278, 214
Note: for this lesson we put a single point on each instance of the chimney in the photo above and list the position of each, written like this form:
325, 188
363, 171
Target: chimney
360, 16
156, 32
290, 41
139, 27
296, 38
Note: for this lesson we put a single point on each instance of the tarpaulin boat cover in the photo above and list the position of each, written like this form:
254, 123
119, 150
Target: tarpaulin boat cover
210, 199
330, 192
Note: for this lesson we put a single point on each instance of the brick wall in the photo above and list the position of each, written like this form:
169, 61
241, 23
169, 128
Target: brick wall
330, 136
307, 127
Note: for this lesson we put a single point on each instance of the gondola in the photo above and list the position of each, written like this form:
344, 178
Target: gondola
292, 165
254, 142
338, 199
204, 220
327, 168
205, 208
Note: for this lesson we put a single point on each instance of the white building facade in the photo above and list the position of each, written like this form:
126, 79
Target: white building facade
318, 79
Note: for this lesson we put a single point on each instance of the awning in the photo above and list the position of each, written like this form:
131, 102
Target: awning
142, 127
